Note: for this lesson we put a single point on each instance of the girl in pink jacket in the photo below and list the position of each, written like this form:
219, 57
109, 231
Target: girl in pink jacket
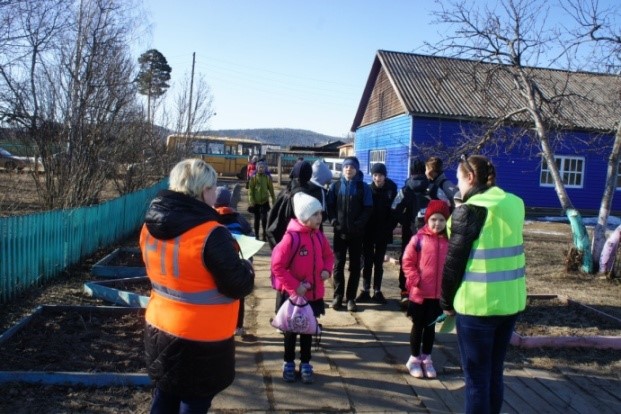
301, 262
423, 262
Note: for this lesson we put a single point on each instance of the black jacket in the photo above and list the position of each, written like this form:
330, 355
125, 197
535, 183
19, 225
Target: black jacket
442, 183
382, 221
282, 211
180, 366
350, 204
466, 224
411, 199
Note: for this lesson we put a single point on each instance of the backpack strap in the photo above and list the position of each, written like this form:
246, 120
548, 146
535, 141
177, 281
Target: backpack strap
295, 243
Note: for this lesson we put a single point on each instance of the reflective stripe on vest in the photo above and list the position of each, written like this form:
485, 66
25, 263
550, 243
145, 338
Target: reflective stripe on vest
206, 297
494, 279
512, 252
185, 301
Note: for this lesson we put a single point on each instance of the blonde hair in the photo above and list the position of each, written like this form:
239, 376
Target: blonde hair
191, 177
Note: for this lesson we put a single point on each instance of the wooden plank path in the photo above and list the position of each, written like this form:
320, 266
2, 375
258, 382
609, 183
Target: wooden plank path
360, 367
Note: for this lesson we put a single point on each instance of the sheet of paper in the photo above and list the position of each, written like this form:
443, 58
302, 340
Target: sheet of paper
249, 245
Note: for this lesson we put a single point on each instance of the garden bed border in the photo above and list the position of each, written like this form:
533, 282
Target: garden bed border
97, 379
592, 341
103, 290
103, 268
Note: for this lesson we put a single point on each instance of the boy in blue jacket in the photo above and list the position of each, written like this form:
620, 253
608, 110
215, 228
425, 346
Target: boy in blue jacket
237, 224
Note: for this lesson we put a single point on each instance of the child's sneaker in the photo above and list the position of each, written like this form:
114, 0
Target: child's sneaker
427, 364
413, 365
288, 371
306, 371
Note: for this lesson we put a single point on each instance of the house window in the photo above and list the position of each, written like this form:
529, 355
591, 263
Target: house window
619, 176
376, 156
571, 170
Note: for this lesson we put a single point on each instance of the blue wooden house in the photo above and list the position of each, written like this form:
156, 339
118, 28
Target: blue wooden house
416, 106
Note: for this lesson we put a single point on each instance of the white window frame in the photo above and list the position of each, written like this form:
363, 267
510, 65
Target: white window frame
618, 185
377, 156
571, 169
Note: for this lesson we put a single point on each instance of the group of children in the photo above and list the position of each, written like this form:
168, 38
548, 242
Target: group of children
303, 260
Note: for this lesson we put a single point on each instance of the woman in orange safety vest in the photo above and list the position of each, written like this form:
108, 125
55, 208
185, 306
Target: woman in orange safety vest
197, 279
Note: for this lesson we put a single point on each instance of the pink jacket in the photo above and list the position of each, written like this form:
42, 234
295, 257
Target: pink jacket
312, 255
423, 263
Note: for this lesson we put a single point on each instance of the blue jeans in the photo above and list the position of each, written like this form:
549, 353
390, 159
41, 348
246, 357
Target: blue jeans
483, 343
166, 403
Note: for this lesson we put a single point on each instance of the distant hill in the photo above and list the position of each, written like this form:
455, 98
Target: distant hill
277, 136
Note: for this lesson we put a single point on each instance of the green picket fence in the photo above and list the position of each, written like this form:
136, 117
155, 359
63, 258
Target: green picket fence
37, 247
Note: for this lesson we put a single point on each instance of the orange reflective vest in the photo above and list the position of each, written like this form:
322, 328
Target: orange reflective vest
185, 301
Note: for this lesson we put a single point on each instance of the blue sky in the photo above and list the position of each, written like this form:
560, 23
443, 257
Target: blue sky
284, 64
287, 63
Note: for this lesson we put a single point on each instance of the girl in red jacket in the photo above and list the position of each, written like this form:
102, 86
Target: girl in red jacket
301, 262
423, 262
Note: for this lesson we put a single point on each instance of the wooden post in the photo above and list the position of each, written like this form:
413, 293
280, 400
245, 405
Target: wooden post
279, 169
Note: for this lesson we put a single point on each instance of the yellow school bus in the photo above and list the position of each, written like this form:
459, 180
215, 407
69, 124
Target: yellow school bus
229, 156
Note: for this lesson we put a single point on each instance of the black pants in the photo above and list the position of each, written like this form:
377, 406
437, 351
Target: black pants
374, 252
306, 342
353, 245
406, 235
422, 315
240, 314
260, 216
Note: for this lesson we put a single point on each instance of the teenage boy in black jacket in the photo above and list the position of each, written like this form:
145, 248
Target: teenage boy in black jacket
350, 204
378, 234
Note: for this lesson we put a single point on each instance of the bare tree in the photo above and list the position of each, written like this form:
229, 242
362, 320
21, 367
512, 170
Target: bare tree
68, 83
192, 115
597, 28
515, 36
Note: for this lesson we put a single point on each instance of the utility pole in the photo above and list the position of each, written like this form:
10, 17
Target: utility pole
190, 100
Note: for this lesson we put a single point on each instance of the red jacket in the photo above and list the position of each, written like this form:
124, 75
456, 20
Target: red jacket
250, 170
423, 263
309, 253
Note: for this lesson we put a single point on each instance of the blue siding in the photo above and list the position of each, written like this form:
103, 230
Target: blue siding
393, 135
517, 172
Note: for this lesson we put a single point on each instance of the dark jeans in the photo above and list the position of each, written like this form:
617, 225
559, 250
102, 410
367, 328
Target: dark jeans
165, 403
483, 345
422, 315
374, 252
306, 341
260, 216
353, 245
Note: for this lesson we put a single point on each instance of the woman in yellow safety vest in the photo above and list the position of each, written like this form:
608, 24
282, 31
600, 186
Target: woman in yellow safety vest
197, 279
483, 279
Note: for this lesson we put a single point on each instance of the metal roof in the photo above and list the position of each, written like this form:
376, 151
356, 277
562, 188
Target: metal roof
465, 89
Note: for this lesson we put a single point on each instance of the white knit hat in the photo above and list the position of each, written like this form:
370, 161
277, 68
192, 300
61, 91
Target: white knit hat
304, 206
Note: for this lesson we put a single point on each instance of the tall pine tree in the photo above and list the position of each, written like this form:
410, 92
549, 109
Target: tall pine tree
153, 76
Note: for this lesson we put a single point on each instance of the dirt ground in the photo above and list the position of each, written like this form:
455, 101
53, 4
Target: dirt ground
115, 343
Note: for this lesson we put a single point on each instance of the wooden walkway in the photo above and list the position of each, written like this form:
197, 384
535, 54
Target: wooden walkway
526, 390
360, 368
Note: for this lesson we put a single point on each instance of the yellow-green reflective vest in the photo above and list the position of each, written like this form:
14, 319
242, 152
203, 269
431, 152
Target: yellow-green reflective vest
494, 281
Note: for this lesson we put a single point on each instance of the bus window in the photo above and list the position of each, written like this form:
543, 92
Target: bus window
216, 148
199, 148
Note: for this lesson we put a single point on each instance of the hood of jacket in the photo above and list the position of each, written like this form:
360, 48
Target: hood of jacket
417, 182
296, 225
171, 214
